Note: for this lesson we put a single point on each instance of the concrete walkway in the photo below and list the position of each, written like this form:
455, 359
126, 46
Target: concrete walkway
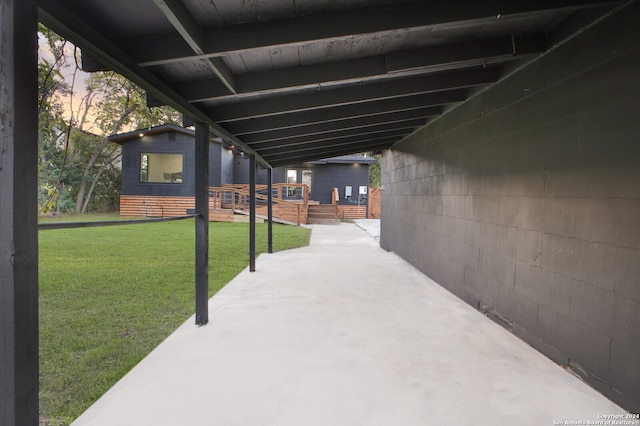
344, 333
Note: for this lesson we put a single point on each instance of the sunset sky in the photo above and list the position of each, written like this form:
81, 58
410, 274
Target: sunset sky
78, 86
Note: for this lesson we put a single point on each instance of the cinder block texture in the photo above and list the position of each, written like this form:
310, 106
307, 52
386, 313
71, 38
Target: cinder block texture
526, 199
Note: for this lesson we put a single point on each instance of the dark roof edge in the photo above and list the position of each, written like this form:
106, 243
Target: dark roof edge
120, 138
345, 159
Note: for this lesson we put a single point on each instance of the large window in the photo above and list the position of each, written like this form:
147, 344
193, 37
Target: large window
161, 168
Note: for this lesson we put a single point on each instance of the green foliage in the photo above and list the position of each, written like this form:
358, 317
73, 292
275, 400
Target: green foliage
79, 170
374, 172
121, 105
106, 195
51, 126
109, 295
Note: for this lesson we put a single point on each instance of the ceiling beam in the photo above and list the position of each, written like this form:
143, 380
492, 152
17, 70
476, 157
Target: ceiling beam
182, 20
370, 92
432, 102
58, 18
266, 146
297, 145
286, 79
322, 153
333, 126
404, 62
341, 24
465, 55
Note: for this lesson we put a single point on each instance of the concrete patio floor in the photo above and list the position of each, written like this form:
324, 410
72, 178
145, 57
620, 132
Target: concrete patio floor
344, 333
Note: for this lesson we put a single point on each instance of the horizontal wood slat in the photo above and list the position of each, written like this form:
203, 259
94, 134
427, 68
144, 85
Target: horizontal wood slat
288, 213
221, 215
352, 212
157, 206
149, 206
374, 203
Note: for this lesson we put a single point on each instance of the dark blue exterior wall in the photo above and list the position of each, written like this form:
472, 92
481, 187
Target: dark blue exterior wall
215, 157
226, 166
525, 202
220, 165
325, 177
170, 143
240, 170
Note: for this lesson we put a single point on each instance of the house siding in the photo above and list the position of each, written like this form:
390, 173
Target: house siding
241, 170
329, 176
325, 177
220, 165
525, 202
215, 171
226, 167
170, 143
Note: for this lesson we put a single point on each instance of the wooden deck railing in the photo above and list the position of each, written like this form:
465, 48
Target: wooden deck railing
237, 197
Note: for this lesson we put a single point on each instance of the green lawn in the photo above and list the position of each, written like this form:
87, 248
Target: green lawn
110, 295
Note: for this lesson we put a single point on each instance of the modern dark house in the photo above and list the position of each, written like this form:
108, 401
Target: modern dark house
343, 180
160, 161
157, 170
158, 177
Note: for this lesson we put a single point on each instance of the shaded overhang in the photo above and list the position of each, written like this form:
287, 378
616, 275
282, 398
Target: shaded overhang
292, 81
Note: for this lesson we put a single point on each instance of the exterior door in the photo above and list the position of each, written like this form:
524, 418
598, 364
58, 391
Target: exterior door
292, 177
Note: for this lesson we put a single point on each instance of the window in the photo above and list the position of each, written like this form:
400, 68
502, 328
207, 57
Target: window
161, 168
306, 178
292, 177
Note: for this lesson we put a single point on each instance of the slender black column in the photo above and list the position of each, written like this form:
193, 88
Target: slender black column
18, 213
270, 210
202, 223
252, 213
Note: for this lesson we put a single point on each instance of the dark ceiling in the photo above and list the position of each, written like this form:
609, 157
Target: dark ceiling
299, 80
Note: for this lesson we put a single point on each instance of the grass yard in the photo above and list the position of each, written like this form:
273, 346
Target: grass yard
109, 295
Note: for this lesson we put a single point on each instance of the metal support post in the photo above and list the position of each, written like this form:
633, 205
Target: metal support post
270, 210
202, 223
252, 213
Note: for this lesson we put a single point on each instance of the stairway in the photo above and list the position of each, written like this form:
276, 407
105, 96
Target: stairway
322, 214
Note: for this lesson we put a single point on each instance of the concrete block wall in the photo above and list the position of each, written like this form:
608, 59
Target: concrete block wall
525, 202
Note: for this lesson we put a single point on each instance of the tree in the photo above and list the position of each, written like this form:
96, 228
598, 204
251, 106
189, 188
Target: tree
119, 104
52, 87
374, 172
76, 158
